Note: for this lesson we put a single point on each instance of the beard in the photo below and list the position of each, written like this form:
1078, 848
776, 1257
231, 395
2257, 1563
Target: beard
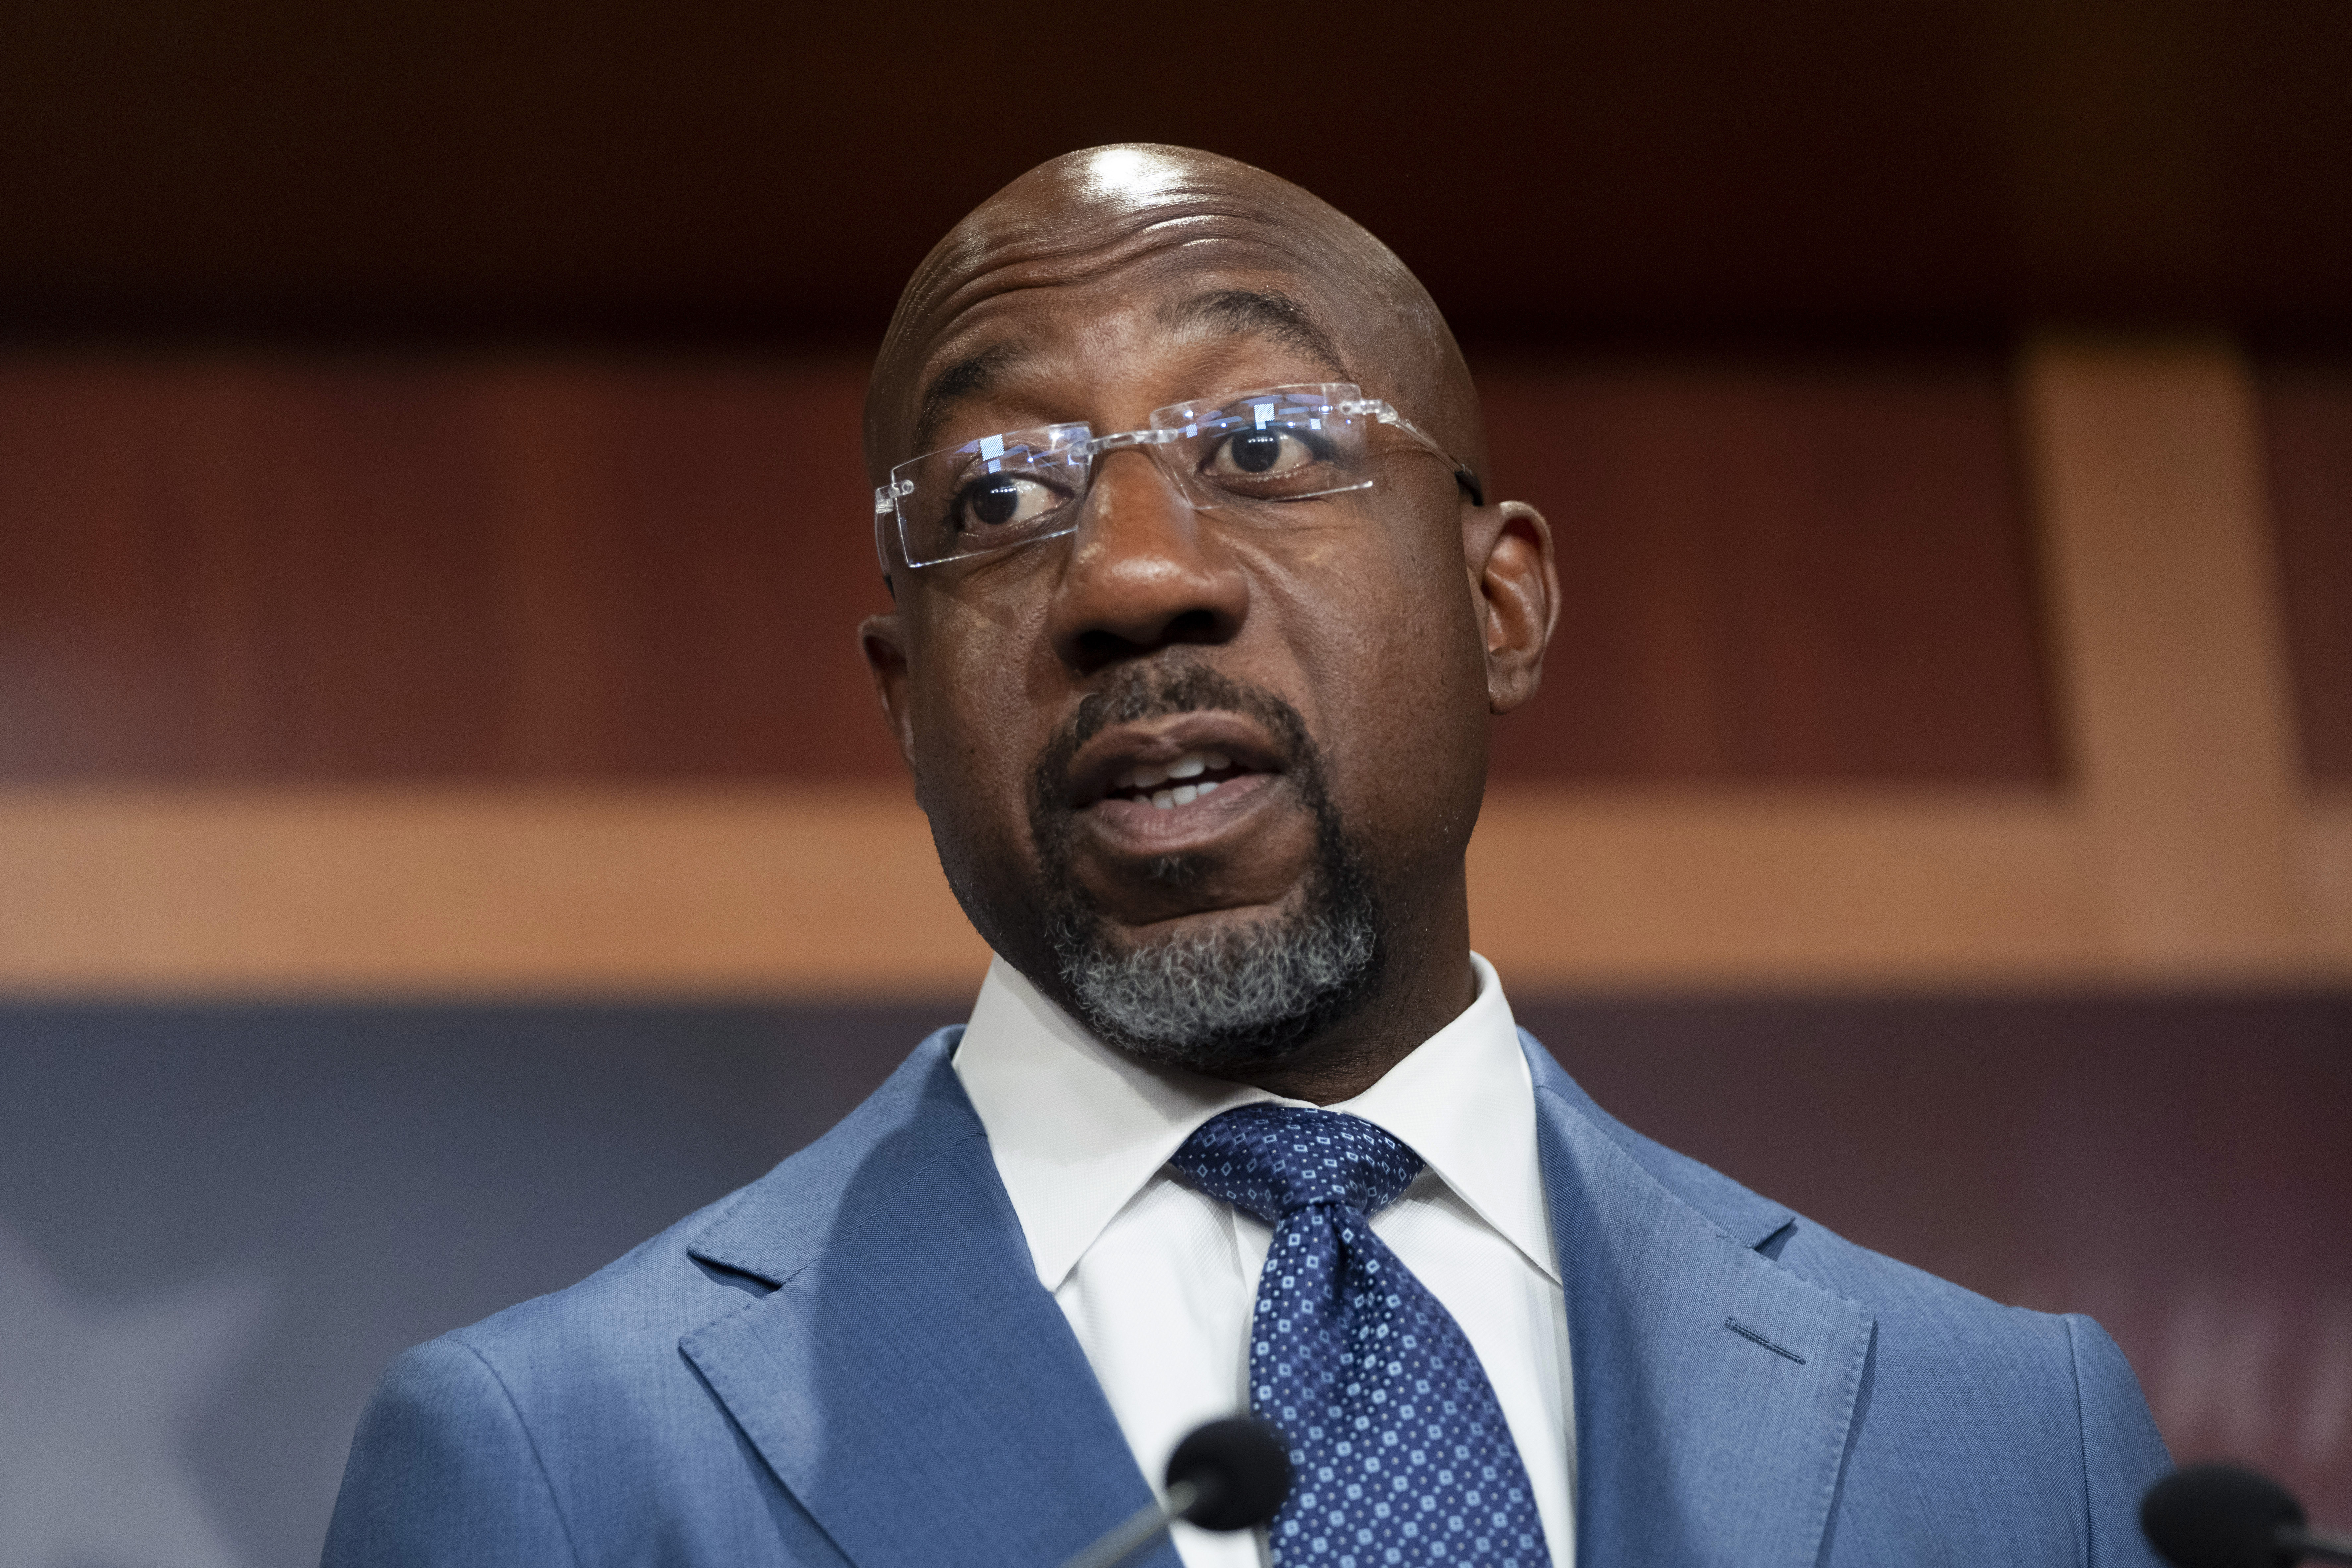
1238, 996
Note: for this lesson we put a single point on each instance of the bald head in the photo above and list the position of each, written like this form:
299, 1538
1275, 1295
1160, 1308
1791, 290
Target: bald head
1217, 244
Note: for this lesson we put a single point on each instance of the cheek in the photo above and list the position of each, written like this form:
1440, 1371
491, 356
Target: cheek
1391, 648
974, 725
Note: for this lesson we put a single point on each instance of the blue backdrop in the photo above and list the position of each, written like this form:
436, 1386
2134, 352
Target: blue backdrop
216, 1223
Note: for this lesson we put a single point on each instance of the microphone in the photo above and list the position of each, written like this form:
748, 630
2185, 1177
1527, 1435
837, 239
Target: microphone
1227, 1475
2219, 1516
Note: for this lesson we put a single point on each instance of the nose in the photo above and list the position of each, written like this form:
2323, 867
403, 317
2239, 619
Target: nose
1142, 574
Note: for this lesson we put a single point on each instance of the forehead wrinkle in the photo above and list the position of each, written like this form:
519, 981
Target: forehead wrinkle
1281, 316
1001, 254
1030, 258
1237, 312
967, 271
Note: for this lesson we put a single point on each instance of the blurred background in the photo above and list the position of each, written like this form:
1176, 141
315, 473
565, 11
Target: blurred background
444, 832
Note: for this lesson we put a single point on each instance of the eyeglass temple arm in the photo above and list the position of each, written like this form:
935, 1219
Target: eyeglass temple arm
1464, 474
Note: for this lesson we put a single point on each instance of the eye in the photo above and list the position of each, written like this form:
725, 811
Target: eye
1004, 500
1267, 451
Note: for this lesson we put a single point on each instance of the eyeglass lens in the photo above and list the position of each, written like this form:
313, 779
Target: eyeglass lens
1247, 450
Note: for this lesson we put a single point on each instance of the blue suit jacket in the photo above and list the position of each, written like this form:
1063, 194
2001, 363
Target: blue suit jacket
850, 1361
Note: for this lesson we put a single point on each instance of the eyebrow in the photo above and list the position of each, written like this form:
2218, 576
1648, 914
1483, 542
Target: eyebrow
972, 374
1234, 311
1277, 316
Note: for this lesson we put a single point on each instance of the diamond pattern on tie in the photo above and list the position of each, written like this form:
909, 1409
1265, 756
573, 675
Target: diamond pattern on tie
1398, 1447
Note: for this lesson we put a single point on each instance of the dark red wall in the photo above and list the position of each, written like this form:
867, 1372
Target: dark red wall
257, 569
440, 567
2308, 423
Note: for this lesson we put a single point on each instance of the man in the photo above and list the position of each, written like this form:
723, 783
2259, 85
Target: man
1202, 608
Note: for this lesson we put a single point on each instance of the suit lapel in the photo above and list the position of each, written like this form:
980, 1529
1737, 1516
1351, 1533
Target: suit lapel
1713, 1389
908, 1380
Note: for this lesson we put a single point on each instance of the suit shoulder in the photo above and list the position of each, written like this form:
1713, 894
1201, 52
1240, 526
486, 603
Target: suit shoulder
1908, 1298
442, 1470
652, 1290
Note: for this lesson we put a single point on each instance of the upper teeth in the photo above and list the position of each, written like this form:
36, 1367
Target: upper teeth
1150, 776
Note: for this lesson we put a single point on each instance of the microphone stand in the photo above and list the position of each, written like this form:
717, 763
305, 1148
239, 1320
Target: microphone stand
2300, 1542
1140, 1527
1225, 1475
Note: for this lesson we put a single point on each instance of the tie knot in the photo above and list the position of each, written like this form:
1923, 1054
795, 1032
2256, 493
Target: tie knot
1275, 1160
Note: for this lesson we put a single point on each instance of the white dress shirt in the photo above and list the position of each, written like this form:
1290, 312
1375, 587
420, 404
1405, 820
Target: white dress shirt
1157, 1280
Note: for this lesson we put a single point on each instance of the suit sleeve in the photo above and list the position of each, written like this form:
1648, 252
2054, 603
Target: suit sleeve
442, 1471
2123, 1454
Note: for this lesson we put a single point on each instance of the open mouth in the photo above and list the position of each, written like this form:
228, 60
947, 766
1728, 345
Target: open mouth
1179, 782
1146, 776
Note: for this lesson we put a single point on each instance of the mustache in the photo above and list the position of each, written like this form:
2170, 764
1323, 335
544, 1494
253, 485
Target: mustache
1137, 693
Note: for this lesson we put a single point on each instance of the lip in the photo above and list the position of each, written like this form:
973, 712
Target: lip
1137, 828
1162, 740
1128, 828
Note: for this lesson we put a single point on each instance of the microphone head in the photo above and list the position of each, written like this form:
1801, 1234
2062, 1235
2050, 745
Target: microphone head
2219, 1516
1241, 1468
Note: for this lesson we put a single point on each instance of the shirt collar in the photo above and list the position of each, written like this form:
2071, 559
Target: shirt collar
1077, 1128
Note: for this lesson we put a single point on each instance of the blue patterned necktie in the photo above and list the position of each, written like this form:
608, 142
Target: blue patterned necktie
1399, 1448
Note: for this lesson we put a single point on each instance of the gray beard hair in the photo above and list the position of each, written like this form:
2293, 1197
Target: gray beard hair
1223, 999
1220, 999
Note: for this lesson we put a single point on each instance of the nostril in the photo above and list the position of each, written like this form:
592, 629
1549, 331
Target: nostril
1098, 645
1194, 626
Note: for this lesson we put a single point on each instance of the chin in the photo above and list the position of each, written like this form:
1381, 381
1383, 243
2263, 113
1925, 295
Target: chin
1219, 995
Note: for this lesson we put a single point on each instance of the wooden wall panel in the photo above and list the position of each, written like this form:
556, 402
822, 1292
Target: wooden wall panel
357, 625
2183, 849
98, 575
2307, 426
692, 551
1777, 572
340, 570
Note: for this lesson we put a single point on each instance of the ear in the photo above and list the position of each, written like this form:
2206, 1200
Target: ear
1509, 552
883, 640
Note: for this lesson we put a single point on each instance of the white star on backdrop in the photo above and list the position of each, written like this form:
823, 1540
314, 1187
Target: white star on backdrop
94, 1401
